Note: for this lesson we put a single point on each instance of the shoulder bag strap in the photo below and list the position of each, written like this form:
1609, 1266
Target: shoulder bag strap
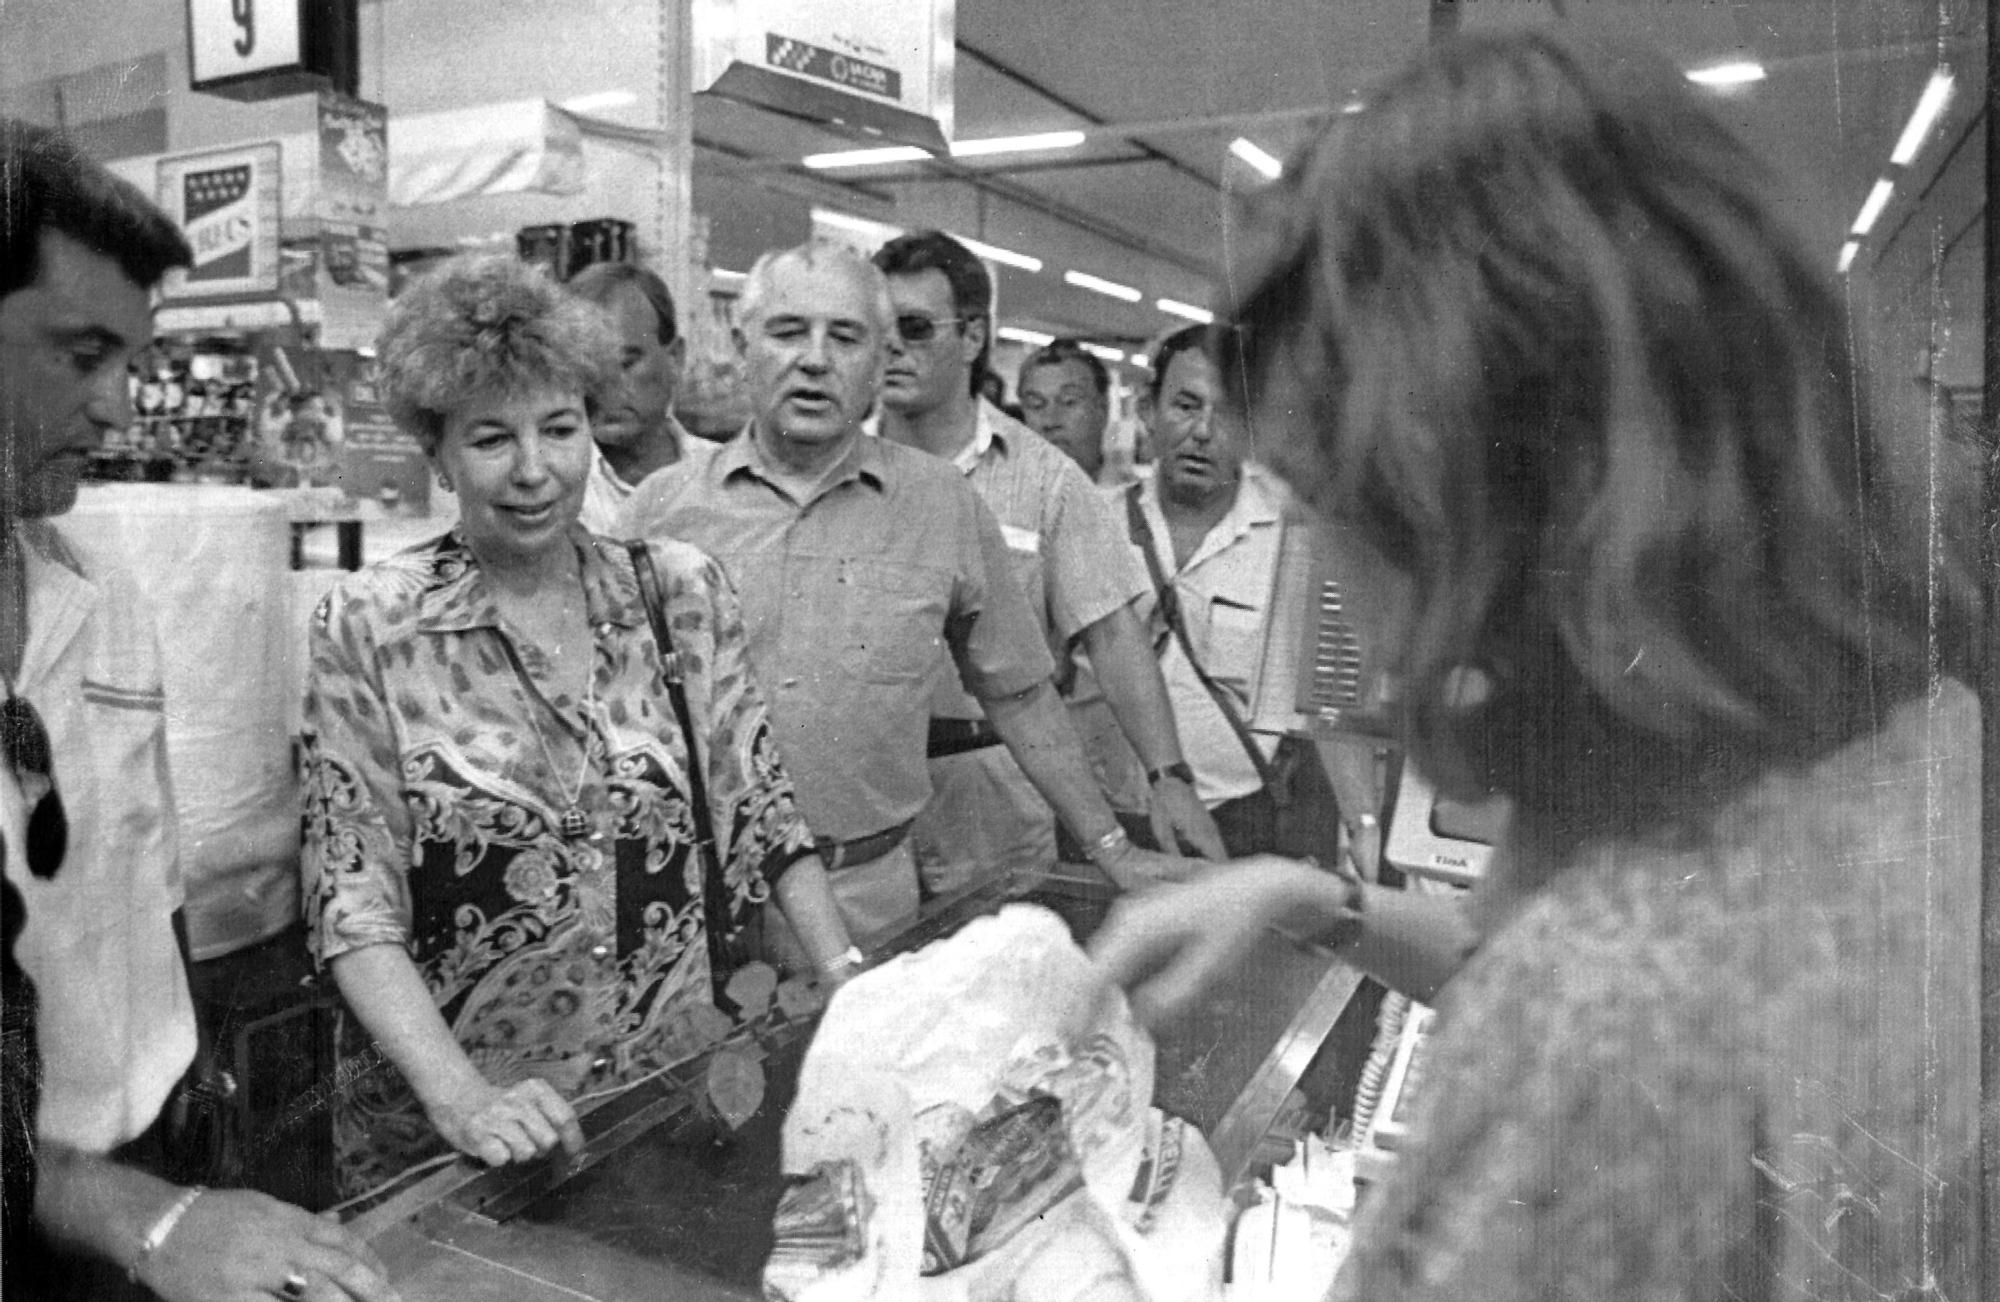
715, 891
1170, 609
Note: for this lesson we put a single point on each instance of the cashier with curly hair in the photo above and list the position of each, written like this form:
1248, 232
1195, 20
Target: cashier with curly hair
500, 861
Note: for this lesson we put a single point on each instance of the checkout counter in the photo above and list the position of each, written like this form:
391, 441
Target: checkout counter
663, 1202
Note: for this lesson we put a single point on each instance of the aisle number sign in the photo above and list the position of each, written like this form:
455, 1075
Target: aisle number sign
240, 38
226, 203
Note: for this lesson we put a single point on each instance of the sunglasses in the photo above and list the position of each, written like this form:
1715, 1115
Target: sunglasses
28, 753
916, 328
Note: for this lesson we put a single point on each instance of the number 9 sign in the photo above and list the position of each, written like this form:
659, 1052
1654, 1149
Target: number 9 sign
230, 39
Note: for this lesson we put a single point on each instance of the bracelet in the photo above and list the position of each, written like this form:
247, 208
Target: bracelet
163, 1227
1112, 845
1177, 769
846, 960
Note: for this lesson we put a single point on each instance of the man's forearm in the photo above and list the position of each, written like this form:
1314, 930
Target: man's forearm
1129, 673
1036, 730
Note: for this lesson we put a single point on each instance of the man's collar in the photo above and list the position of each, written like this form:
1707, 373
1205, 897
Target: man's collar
744, 455
988, 427
457, 597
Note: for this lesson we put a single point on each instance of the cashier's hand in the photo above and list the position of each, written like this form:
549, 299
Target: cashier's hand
512, 1124
235, 1245
1179, 818
1169, 946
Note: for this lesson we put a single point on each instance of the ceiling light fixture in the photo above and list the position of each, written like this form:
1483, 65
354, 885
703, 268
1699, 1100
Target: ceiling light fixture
600, 101
994, 253
865, 157
1032, 338
1847, 252
1268, 166
1728, 74
1878, 199
1084, 280
724, 273
1352, 106
1016, 144
1142, 361
874, 230
1937, 93
1104, 351
1173, 307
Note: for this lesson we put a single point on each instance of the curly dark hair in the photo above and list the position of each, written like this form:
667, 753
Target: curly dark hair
1540, 337
481, 324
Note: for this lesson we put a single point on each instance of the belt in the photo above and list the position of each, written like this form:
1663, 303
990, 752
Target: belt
862, 849
957, 736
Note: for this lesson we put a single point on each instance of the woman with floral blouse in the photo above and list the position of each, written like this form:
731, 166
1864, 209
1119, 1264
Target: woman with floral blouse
500, 862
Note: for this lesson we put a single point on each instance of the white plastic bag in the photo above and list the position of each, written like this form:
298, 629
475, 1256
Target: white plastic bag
911, 1057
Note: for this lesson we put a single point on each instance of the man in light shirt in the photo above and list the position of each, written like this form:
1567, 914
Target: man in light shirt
1068, 551
636, 433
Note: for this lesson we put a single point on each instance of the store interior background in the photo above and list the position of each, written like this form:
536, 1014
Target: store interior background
544, 112
1160, 88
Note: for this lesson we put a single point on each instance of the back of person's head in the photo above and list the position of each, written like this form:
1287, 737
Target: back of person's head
814, 253
600, 281
1058, 351
47, 184
1188, 339
1543, 341
971, 286
483, 324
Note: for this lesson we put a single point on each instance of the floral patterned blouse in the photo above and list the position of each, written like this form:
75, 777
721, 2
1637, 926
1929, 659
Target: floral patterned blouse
439, 758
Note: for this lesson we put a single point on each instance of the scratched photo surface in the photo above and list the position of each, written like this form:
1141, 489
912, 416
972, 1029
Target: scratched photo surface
284, 642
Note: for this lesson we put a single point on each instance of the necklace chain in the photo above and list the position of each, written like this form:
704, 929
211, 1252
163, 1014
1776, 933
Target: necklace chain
572, 821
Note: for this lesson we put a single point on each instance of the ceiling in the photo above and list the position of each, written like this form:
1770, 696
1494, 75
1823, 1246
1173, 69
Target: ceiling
1162, 86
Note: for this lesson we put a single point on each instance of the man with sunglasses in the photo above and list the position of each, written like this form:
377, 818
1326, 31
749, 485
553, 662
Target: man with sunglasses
1069, 553
84, 723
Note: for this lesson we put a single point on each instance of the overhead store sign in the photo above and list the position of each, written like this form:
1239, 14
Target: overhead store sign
882, 69
226, 202
260, 49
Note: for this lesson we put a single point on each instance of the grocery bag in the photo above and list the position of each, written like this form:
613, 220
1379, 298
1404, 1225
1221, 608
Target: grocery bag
974, 1124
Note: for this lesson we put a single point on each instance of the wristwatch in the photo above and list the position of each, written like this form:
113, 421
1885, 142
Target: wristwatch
1177, 769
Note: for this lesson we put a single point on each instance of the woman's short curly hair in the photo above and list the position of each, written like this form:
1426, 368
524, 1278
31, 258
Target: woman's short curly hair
1552, 352
486, 323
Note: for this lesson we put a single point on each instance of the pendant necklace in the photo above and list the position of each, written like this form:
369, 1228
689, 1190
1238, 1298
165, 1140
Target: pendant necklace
573, 823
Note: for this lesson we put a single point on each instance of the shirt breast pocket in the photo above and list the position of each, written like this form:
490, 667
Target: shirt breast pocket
895, 621
1235, 642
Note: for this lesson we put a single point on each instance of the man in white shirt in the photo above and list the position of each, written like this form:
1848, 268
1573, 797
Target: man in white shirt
635, 431
1067, 551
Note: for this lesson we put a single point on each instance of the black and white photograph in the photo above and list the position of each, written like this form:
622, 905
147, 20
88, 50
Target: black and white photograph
999, 651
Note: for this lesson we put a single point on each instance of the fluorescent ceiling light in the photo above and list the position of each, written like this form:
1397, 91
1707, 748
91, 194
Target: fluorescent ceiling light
874, 230
1878, 199
600, 101
1016, 144
1352, 106
1198, 315
1727, 74
1936, 94
994, 253
1257, 158
1084, 280
1847, 252
866, 157
1142, 361
1105, 351
724, 273
1032, 338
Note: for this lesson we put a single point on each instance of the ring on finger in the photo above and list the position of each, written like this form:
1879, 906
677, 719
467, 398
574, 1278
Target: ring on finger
294, 1287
